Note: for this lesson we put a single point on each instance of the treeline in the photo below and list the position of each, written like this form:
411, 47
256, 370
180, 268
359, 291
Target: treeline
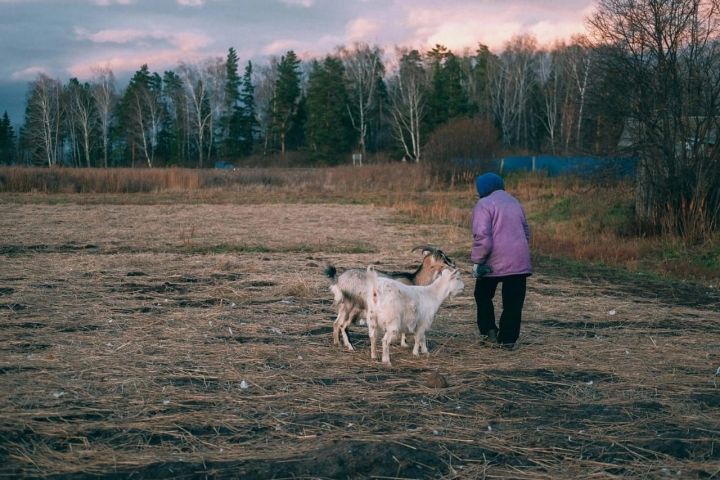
530, 98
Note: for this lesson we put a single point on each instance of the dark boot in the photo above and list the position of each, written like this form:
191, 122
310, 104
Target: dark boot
492, 336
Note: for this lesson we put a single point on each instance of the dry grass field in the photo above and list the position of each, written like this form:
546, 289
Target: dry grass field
194, 340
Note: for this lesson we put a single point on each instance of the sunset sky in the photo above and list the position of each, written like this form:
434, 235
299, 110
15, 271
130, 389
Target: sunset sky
66, 38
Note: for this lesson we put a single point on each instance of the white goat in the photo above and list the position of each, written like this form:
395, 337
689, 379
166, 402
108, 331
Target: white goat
350, 289
396, 308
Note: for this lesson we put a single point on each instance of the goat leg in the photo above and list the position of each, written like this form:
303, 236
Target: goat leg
423, 345
347, 321
387, 340
372, 333
336, 329
416, 346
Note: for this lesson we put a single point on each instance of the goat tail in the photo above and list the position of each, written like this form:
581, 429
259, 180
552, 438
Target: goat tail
372, 289
331, 273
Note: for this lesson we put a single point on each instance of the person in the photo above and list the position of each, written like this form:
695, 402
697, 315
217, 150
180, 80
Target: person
500, 254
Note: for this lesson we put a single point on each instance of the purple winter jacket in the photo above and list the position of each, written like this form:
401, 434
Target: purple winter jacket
501, 235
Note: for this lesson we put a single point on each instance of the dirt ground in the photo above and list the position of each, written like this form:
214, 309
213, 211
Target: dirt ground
182, 341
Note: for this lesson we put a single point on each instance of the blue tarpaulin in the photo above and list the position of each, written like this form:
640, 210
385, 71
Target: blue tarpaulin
224, 165
554, 166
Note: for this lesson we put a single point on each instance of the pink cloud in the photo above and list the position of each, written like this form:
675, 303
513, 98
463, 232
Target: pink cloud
491, 23
112, 35
281, 46
105, 3
131, 61
299, 3
141, 46
29, 73
361, 29
181, 40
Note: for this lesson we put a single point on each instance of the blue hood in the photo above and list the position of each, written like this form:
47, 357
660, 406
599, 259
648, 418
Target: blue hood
488, 183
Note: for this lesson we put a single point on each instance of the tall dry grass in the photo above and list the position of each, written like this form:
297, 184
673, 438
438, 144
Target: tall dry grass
570, 217
82, 180
371, 178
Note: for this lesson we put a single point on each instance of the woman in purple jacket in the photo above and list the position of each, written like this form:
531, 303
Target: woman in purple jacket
500, 254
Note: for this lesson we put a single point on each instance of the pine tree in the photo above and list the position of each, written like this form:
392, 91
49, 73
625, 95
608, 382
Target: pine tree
481, 81
246, 115
230, 119
437, 96
141, 110
286, 99
458, 102
7, 140
176, 123
328, 129
379, 129
448, 98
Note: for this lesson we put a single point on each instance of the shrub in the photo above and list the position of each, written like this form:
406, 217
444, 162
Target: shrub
461, 149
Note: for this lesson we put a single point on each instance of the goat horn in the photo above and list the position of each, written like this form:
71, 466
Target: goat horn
425, 247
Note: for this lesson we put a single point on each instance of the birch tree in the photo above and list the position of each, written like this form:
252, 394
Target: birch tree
550, 78
407, 102
43, 119
364, 70
142, 114
579, 63
264, 95
514, 81
105, 96
82, 117
197, 92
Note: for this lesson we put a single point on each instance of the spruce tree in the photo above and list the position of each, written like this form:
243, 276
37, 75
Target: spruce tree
328, 129
458, 103
483, 61
286, 98
7, 140
141, 114
230, 120
176, 120
448, 98
246, 115
379, 129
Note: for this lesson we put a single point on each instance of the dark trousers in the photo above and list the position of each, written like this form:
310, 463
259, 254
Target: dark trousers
513, 298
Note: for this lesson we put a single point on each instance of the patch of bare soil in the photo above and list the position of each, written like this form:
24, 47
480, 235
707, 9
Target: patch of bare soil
179, 341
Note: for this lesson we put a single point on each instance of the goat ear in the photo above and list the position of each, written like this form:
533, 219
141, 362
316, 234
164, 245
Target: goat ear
447, 260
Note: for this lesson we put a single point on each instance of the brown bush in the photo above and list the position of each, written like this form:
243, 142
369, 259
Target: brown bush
461, 149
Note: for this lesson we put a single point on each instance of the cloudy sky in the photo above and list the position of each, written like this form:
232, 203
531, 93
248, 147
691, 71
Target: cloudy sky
65, 38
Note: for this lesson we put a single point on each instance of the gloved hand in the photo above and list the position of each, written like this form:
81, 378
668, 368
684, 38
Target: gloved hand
480, 270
